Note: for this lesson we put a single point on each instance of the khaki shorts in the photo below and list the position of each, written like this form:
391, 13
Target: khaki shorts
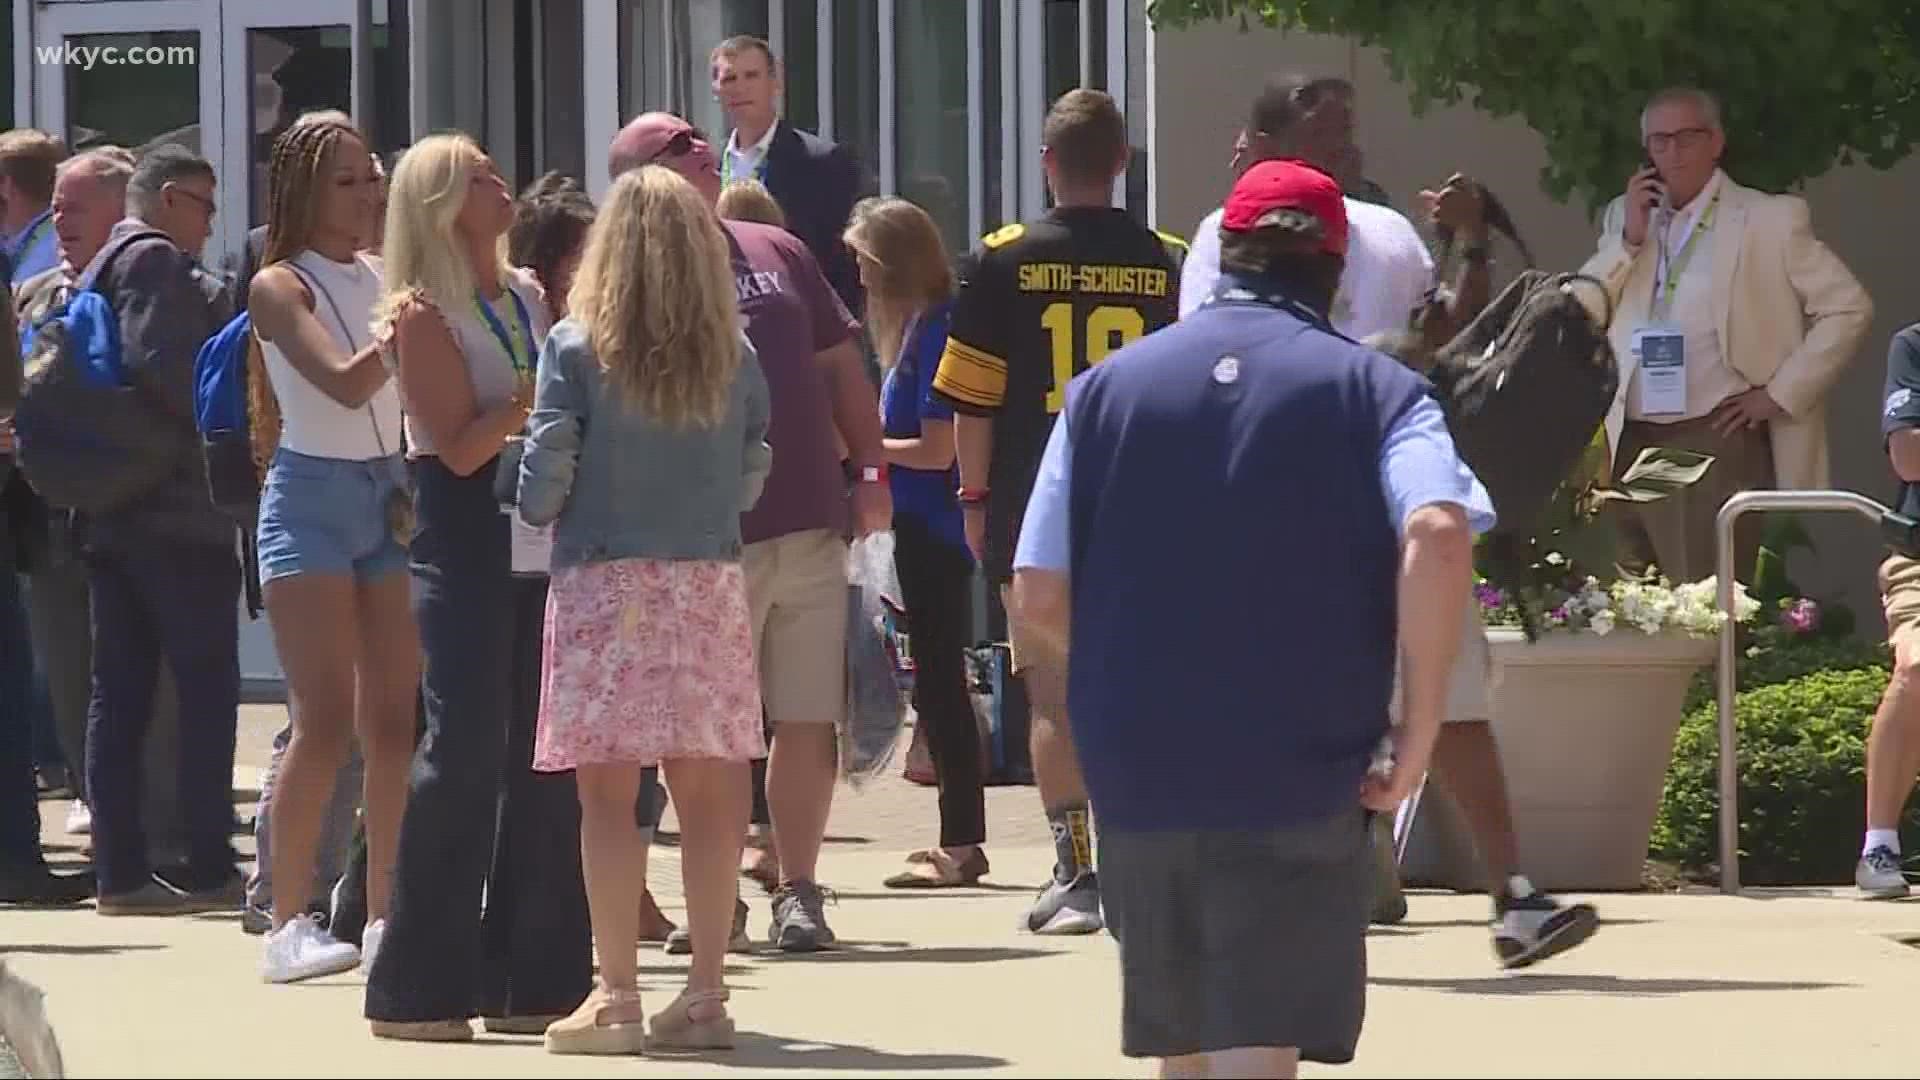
1469, 693
797, 593
1900, 594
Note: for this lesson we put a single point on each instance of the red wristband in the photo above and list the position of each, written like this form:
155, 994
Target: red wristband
972, 496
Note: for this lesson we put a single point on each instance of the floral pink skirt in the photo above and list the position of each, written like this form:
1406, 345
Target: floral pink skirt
647, 659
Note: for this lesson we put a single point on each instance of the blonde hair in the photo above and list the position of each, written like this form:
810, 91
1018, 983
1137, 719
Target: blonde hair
419, 249
914, 273
749, 200
655, 295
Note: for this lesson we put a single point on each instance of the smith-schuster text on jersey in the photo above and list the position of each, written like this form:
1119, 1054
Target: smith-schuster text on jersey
1038, 304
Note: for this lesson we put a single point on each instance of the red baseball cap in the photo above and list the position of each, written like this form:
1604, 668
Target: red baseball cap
1288, 185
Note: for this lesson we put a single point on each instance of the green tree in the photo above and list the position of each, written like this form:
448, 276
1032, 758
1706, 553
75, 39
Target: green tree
1804, 85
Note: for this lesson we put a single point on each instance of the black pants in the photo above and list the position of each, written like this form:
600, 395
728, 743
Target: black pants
429, 965
935, 581
155, 598
538, 939
19, 798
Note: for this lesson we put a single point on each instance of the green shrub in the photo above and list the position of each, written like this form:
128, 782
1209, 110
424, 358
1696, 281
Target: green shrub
1802, 771
1777, 659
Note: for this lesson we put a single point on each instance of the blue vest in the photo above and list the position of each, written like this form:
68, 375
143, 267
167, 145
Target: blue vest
1234, 571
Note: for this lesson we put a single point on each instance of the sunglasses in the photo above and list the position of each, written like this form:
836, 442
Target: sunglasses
679, 144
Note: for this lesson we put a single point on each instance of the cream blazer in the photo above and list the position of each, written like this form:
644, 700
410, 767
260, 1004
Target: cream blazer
1791, 315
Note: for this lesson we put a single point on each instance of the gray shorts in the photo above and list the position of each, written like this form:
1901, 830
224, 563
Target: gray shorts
1241, 939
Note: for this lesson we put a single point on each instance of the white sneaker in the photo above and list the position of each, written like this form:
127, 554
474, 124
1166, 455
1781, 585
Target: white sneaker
1878, 875
301, 950
370, 939
79, 819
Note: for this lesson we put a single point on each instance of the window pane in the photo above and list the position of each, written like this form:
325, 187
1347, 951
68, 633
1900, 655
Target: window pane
801, 64
709, 22
292, 70
6, 83
137, 106
930, 113
1060, 54
990, 106
557, 90
388, 126
856, 79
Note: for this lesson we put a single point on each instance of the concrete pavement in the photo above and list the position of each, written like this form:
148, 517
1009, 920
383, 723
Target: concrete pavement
1773, 984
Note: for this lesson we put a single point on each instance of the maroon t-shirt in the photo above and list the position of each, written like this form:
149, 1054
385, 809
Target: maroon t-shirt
792, 314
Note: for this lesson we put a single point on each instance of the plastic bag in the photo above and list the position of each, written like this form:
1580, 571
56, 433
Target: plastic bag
876, 680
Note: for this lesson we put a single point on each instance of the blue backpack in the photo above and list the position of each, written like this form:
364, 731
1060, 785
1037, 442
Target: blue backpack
222, 413
90, 438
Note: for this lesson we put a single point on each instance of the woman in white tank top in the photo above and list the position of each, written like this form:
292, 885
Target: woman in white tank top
331, 528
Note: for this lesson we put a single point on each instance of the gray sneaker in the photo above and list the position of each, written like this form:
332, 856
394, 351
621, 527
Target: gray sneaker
800, 919
1879, 876
680, 940
153, 898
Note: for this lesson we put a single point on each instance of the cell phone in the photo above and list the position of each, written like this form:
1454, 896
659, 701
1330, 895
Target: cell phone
1901, 533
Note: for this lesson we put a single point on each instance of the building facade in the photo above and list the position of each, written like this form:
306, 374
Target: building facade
942, 100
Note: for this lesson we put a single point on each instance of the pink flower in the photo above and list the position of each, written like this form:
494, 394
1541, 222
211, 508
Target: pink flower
1802, 616
1490, 598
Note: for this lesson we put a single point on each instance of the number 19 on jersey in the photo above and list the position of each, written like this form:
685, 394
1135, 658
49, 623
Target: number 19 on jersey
1107, 328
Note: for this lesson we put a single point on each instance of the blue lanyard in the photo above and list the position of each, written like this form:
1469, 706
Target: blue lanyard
507, 340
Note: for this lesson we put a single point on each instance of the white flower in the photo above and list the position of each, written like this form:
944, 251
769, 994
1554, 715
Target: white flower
1554, 558
1602, 623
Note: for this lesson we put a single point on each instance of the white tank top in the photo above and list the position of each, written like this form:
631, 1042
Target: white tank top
311, 422
490, 366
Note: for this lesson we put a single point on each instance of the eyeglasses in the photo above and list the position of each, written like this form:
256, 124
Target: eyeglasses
205, 203
1686, 139
679, 144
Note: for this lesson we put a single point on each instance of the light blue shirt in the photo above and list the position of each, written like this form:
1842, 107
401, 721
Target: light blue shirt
34, 249
1418, 467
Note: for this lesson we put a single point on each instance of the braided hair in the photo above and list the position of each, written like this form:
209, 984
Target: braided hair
293, 174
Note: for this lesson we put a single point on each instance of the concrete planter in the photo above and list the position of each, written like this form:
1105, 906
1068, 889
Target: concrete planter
1585, 725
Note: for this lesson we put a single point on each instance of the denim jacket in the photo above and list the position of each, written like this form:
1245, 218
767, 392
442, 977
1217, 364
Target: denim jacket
619, 485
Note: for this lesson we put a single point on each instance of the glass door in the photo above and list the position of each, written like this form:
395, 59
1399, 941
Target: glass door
130, 74
283, 58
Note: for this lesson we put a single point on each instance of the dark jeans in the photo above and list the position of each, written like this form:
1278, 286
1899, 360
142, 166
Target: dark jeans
57, 610
429, 965
19, 799
538, 941
936, 582
153, 599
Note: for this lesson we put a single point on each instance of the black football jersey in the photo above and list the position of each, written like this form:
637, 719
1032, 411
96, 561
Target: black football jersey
1038, 304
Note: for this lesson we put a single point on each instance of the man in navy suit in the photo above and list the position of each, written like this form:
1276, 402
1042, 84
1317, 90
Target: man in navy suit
815, 180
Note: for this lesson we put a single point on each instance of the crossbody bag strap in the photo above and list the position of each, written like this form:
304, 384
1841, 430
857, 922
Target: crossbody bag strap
314, 286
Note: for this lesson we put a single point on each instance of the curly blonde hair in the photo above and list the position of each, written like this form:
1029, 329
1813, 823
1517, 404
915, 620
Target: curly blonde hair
655, 295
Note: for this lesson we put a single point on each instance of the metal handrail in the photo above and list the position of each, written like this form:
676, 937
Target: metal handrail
1729, 749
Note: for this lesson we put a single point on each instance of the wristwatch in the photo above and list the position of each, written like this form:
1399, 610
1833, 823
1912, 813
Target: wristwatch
873, 474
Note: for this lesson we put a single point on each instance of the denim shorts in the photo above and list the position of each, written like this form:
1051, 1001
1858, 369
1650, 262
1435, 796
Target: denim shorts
329, 516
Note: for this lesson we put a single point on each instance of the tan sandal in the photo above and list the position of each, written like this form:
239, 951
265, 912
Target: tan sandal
675, 1028
933, 868
584, 1033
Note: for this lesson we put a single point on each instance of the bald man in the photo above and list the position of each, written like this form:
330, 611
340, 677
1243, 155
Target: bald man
796, 547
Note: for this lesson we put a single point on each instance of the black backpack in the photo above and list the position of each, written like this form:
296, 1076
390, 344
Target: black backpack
1524, 387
